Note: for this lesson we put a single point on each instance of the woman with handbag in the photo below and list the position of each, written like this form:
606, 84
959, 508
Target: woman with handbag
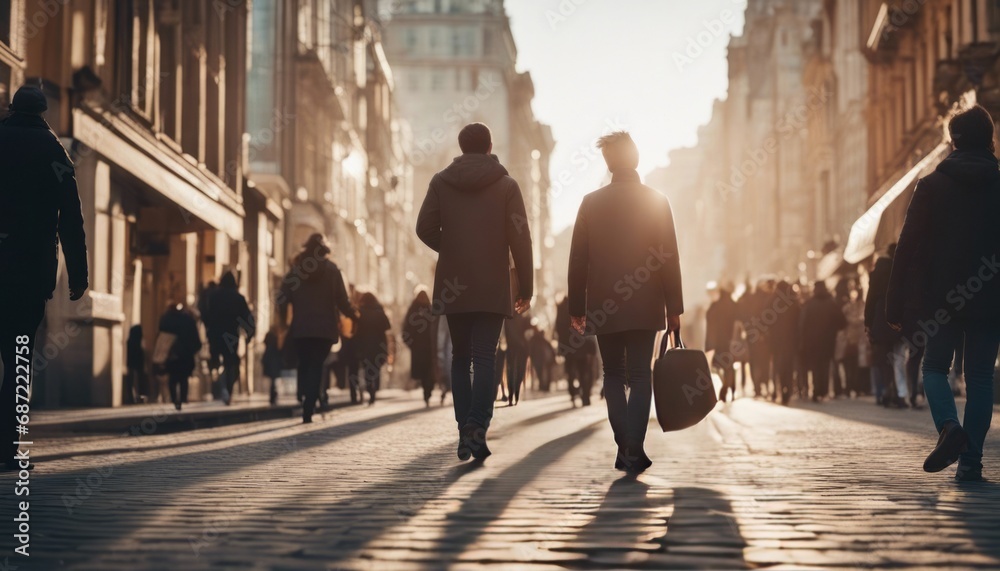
315, 291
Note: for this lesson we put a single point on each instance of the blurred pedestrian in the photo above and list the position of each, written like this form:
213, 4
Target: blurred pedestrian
821, 319
785, 339
374, 340
135, 366
314, 290
515, 331
272, 362
474, 217
720, 338
944, 279
853, 335
39, 211
619, 228
177, 344
419, 331
542, 357
888, 346
578, 353
443, 356
230, 315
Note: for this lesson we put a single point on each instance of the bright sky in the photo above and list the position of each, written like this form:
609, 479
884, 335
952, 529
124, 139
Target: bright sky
603, 65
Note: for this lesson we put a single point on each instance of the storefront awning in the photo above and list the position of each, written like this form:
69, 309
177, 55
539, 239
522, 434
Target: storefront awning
865, 234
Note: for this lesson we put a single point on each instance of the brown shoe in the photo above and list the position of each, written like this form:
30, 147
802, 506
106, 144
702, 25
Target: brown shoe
952, 442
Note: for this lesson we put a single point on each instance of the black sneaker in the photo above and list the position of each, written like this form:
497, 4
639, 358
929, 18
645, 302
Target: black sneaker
969, 472
952, 442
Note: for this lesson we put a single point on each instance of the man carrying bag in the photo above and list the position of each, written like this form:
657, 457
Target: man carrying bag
625, 286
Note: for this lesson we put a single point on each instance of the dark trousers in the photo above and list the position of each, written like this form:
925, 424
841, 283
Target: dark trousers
820, 369
784, 375
230, 369
474, 338
373, 375
981, 346
627, 360
20, 317
178, 383
913, 363
312, 352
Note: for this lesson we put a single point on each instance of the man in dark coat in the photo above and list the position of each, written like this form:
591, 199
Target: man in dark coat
785, 339
720, 338
945, 281
822, 317
229, 315
39, 208
624, 286
474, 217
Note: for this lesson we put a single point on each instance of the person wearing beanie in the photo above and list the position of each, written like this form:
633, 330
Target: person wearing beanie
39, 210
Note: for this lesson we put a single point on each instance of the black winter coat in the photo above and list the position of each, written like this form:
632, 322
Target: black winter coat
229, 313
822, 317
947, 264
720, 324
315, 289
181, 323
624, 267
369, 336
39, 207
474, 217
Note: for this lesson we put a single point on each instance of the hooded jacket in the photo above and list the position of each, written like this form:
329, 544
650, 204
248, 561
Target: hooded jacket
947, 264
474, 217
39, 206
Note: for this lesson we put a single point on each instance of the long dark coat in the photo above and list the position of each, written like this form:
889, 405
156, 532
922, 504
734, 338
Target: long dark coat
419, 334
369, 334
474, 217
315, 289
720, 324
822, 317
181, 323
624, 267
39, 208
948, 258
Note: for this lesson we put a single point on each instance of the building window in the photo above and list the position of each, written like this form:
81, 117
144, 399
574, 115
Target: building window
487, 42
411, 39
434, 39
456, 43
437, 81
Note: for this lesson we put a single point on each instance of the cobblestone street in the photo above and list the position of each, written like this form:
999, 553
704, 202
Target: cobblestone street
756, 485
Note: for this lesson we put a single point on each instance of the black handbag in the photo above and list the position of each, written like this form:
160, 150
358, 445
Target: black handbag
682, 386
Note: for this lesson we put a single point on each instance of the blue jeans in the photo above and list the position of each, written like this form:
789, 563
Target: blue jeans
981, 346
628, 358
474, 338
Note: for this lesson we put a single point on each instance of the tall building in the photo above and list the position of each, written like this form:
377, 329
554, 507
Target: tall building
149, 100
454, 64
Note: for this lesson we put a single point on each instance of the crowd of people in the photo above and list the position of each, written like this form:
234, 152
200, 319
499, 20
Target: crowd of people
780, 339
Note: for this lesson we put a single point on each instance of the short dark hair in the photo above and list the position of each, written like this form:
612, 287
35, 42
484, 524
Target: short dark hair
972, 129
475, 138
619, 151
